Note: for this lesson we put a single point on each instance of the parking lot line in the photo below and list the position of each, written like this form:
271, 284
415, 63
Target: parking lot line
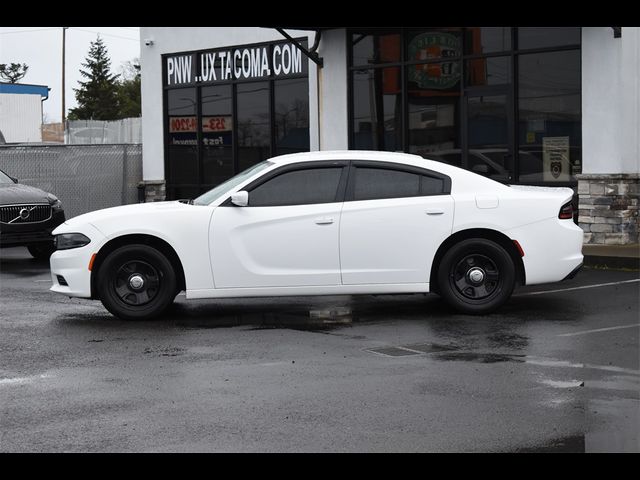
584, 332
578, 288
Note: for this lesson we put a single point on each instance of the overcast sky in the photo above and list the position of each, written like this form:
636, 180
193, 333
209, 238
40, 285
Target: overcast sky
41, 49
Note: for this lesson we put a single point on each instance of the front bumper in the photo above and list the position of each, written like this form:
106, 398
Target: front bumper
28, 233
73, 265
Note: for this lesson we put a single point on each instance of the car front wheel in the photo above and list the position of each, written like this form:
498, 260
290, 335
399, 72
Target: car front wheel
476, 276
136, 282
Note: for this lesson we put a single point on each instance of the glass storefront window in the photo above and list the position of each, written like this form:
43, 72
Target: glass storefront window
543, 37
230, 108
549, 133
480, 40
488, 71
217, 134
377, 107
487, 131
375, 48
433, 95
254, 125
474, 97
291, 115
183, 140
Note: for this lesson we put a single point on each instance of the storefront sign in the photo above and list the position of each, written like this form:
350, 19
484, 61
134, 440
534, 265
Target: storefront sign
555, 159
431, 45
182, 124
217, 124
274, 60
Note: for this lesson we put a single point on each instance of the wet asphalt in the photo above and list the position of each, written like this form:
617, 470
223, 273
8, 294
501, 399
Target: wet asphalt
327, 374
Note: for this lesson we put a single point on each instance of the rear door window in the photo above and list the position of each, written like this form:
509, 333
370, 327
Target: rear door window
379, 183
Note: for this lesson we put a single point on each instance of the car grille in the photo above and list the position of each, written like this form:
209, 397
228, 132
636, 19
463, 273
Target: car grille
15, 214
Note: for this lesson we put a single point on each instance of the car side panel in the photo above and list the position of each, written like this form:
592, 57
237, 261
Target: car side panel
553, 249
184, 227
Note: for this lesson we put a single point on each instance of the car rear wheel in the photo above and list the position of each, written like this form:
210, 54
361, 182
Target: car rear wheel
136, 282
41, 251
476, 276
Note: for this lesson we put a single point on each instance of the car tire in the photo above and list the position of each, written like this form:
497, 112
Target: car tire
136, 282
41, 251
476, 276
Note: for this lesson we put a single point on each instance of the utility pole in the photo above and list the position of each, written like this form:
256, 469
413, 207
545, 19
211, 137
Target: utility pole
64, 110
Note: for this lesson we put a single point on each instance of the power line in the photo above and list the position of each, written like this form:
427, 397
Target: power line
29, 31
105, 34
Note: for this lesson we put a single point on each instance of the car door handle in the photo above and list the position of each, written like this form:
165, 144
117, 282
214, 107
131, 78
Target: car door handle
434, 211
324, 221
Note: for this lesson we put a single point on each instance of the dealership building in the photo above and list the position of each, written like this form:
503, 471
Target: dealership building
545, 106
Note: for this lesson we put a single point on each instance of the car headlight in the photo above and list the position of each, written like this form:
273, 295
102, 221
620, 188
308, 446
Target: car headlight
66, 241
55, 203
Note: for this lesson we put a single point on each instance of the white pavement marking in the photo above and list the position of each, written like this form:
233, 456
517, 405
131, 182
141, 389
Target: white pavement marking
563, 363
584, 332
578, 288
47, 280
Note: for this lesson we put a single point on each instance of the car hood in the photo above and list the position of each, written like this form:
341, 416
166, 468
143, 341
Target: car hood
12, 193
136, 209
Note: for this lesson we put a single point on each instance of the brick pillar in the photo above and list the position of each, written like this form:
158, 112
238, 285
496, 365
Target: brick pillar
608, 208
154, 190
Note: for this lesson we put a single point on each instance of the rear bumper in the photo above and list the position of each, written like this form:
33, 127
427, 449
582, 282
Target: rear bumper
574, 272
552, 250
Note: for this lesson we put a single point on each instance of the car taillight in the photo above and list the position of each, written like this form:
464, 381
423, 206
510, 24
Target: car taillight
566, 211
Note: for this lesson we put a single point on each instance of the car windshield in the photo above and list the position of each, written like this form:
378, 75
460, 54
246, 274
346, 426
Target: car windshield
213, 194
4, 178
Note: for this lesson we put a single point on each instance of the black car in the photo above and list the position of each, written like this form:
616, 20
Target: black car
27, 217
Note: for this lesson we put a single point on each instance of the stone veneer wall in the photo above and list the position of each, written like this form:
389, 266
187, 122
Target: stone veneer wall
608, 208
154, 190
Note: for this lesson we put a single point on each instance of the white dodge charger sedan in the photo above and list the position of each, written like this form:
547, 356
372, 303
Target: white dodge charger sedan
324, 223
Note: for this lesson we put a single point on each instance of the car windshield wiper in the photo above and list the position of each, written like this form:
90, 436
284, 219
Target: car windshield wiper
188, 201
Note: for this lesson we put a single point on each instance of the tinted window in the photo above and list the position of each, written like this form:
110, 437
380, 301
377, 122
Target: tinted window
372, 183
432, 185
299, 187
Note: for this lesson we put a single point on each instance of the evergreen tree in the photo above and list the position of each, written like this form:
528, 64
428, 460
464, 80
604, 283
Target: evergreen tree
13, 72
97, 97
129, 98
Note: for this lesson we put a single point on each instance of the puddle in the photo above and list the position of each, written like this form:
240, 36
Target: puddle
575, 444
479, 357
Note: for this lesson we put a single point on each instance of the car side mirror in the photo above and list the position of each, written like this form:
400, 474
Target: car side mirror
15, 180
480, 169
240, 199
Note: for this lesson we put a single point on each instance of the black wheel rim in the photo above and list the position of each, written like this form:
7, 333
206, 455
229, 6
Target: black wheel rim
137, 282
475, 277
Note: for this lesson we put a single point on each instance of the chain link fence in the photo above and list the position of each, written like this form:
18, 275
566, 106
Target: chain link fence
127, 130
83, 177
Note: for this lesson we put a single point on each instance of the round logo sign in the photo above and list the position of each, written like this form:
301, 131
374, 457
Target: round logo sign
431, 45
24, 214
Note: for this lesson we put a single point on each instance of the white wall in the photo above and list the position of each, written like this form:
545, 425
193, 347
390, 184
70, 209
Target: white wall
180, 39
610, 100
21, 117
334, 126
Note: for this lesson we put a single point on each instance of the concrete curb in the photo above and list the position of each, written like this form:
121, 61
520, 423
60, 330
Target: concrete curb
601, 261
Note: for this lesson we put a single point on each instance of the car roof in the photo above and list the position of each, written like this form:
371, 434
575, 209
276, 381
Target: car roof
372, 155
